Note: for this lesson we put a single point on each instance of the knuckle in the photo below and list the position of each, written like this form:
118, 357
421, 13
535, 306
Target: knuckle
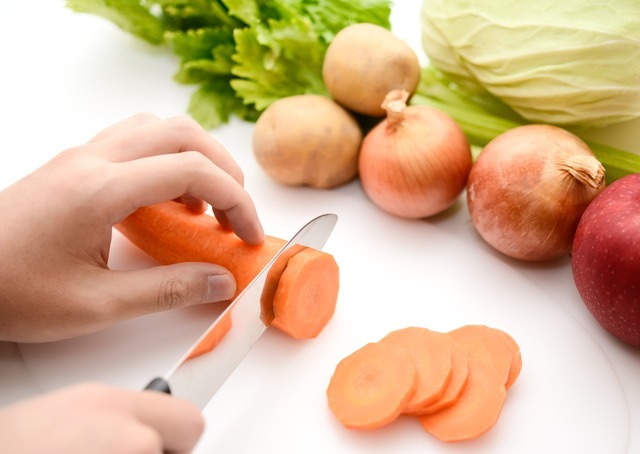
173, 293
194, 160
144, 117
183, 125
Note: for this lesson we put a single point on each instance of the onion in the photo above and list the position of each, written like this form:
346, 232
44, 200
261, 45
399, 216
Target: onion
528, 189
414, 163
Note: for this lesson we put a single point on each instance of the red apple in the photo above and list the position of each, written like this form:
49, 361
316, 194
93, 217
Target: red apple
606, 258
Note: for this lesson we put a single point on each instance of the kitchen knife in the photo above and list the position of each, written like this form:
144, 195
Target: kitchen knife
197, 377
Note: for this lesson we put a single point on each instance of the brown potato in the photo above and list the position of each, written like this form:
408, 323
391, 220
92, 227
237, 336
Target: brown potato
307, 140
363, 63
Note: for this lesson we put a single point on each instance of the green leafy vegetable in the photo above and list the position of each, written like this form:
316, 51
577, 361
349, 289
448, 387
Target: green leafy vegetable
573, 63
243, 54
483, 117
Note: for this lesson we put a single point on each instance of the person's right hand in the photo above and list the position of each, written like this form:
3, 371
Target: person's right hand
97, 419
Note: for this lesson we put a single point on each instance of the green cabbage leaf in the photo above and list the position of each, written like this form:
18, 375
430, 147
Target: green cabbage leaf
573, 63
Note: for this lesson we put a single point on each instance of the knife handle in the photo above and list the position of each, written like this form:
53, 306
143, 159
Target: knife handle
158, 384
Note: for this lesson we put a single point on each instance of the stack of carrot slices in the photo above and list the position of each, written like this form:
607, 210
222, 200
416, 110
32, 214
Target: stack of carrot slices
455, 383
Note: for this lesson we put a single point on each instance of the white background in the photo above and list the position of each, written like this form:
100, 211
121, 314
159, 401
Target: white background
65, 76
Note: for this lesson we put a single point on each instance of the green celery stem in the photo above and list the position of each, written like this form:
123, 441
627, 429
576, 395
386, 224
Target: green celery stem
481, 127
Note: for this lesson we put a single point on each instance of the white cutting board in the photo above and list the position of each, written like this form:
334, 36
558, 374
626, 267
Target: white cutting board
394, 273
578, 391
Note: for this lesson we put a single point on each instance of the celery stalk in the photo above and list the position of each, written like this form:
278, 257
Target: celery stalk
482, 118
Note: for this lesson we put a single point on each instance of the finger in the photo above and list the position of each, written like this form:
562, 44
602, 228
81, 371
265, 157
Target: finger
131, 436
178, 422
144, 182
134, 293
194, 204
222, 218
174, 135
128, 123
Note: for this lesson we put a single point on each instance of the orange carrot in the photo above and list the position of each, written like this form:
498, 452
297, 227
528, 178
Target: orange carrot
273, 281
459, 374
371, 387
489, 345
305, 299
432, 356
514, 370
170, 233
475, 412
213, 337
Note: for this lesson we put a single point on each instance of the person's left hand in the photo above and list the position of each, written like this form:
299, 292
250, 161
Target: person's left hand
56, 227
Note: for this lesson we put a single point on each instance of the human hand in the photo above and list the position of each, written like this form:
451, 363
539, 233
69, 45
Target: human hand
99, 419
56, 227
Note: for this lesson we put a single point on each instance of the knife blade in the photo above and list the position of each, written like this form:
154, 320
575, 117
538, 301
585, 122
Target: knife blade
198, 377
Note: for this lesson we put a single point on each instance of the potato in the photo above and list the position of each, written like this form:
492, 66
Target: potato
307, 140
363, 63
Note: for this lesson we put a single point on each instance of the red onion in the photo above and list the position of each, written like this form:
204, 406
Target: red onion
528, 189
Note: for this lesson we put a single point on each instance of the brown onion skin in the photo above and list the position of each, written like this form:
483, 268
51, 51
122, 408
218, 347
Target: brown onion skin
517, 200
418, 169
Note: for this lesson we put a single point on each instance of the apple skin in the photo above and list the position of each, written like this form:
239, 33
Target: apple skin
606, 258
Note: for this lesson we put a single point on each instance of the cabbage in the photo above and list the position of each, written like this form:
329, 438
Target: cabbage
573, 63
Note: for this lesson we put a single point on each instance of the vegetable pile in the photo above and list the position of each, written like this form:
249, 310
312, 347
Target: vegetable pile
243, 54
500, 111
413, 163
455, 383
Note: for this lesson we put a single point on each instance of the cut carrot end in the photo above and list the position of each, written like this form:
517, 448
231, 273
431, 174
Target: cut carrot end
371, 387
307, 293
475, 412
432, 356
272, 282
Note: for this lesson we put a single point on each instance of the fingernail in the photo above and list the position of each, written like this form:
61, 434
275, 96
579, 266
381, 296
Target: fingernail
221, 287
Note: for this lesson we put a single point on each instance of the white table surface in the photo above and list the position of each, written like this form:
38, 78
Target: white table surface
65, 76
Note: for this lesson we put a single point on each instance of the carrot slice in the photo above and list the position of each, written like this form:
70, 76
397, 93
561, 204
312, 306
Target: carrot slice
459, 375
489, 345
213, 338
432, 356
371, 387
305, 299
170, 233
475, 412
272, 282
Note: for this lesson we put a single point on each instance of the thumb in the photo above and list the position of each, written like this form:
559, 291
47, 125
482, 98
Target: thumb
161, 288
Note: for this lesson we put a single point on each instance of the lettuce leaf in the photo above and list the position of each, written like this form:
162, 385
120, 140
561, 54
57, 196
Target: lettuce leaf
134, 17
243, 54
276, 61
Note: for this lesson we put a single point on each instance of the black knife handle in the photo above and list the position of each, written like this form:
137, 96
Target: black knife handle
159, 384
